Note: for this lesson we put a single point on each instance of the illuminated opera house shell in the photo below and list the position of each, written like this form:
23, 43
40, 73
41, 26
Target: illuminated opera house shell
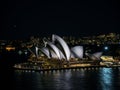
61, 50
58, 48
94, 56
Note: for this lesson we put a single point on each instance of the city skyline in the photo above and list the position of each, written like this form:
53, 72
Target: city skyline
22, 19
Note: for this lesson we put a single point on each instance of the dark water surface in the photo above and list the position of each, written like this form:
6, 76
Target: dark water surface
80, 79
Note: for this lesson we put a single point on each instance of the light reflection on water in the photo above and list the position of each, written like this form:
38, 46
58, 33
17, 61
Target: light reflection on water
106, 78
82, 79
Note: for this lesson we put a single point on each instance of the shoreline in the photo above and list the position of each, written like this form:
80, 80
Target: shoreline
67, 68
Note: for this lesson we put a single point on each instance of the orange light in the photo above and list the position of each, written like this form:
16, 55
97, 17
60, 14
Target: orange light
10, 48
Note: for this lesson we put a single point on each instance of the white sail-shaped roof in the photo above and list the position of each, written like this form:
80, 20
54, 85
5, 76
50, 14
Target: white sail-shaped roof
36, 50
90, 56
63, 44
97, 54
53, 54
77, 51
61, 55
55, 49
94, 56
45, 51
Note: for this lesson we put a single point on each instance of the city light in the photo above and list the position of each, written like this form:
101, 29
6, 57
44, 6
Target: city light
106, 48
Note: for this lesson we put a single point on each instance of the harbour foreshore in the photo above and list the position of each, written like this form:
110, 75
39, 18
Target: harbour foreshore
66, 68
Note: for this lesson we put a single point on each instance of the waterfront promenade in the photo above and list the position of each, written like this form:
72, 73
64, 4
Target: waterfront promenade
67, 68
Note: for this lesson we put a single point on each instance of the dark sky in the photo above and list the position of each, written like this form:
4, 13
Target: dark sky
24, 18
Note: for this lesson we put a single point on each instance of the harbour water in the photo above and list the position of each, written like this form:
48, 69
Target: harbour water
72, 79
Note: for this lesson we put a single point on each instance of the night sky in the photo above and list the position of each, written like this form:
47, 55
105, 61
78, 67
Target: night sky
21, 19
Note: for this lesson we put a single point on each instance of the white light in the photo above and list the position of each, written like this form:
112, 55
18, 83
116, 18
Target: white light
106, 48
19, 52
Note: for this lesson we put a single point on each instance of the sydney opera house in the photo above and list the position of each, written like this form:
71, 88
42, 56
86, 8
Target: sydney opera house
55, 53
58, 54
58, 49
